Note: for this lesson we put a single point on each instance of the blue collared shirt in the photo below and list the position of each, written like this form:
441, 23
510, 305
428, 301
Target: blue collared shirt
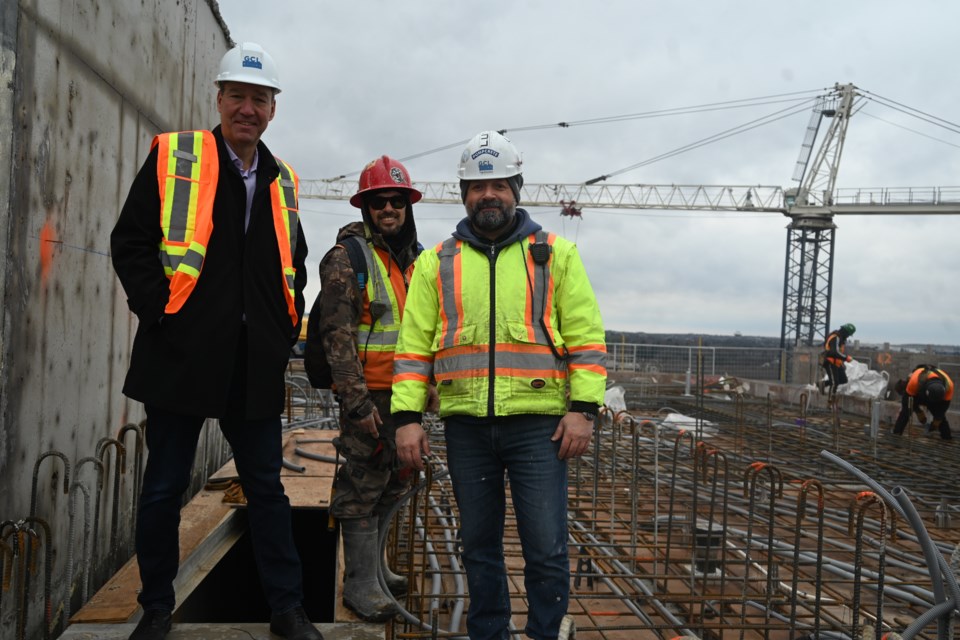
249, 179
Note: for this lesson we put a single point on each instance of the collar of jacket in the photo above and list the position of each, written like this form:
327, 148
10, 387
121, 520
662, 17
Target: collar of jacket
523, 226
407, 254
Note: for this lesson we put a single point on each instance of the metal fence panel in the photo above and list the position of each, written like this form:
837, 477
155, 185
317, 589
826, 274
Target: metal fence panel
755, 363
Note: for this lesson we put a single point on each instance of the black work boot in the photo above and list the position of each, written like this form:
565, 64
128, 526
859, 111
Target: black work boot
154, 625
294, 625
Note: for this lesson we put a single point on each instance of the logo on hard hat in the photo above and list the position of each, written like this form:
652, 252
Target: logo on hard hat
485, 165
477, 154
397, 175
252, 61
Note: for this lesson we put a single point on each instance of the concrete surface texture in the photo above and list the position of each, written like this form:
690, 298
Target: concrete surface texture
84, 87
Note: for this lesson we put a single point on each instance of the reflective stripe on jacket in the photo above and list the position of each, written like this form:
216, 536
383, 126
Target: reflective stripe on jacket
472, 323
377, 337
921, 376
188, 170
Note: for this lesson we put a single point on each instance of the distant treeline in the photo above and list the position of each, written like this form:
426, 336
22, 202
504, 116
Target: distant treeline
691, 339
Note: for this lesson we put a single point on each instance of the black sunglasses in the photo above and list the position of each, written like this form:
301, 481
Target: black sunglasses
380, 202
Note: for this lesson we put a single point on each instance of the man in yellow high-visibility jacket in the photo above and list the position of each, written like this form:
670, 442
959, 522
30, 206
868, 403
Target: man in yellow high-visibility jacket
503, 317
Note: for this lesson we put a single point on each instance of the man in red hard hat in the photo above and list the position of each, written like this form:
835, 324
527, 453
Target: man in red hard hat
351, 339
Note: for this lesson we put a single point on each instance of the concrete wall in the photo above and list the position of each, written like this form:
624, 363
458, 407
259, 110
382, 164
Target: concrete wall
84, 86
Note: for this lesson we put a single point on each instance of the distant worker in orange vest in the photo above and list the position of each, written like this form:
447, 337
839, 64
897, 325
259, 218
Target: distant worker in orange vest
210, 252
927, 387
834, 357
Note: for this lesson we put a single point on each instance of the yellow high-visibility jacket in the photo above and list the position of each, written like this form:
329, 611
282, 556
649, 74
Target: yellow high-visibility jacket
472, 324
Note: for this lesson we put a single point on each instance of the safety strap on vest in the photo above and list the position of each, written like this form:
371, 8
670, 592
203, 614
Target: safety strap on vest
380, 305
541, 289
929, 370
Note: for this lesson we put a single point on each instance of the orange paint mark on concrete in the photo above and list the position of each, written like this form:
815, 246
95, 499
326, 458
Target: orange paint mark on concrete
47, 240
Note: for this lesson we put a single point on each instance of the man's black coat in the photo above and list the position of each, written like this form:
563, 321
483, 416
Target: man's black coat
186, 362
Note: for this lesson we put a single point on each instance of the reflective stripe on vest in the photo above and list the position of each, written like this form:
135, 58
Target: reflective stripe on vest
474, 327
286, 216
377, 338
188, 169
187, 175
841, 347
525, 356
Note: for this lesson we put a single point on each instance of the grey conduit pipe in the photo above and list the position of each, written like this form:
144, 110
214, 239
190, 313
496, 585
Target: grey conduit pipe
942, 568
641, 585
931, 555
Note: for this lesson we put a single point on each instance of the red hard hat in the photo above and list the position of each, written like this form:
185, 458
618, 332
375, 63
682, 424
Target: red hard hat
384, 173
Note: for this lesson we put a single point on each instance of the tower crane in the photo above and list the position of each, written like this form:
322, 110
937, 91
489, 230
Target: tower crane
811, 207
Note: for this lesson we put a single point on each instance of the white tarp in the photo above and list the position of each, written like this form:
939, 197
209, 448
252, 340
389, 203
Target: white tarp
614, 399
862, 382
678, 421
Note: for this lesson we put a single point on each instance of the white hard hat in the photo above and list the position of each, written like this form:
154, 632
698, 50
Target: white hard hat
248, 62
489, 155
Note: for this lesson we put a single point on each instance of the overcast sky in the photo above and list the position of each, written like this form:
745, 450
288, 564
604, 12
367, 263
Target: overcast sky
363, 78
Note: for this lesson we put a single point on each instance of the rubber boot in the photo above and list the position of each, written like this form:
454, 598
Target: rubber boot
361, 588
396, 583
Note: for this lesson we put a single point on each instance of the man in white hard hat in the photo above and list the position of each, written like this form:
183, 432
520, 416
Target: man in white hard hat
503, 317
219, 307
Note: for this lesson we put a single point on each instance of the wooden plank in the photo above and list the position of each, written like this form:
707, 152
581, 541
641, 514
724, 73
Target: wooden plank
116, 601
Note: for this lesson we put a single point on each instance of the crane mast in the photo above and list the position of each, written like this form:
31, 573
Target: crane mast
808, 271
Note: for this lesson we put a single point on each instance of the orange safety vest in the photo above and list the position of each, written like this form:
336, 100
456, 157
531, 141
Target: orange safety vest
920, 377
841, 347
377, 337
188, 169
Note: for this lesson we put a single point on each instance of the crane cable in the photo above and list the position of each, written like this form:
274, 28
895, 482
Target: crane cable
865, 95
741, 128
916, 113
643, 115
708, 107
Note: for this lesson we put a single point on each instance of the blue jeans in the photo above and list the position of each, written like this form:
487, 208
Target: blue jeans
171, 444
478, 455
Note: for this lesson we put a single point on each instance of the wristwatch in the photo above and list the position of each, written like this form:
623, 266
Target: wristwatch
589, 415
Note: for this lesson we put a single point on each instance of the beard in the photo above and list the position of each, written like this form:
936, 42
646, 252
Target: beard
492, 215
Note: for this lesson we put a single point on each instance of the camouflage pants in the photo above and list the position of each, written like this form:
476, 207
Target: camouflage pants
370, 477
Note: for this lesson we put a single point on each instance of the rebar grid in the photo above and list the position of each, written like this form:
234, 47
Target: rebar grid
734, 527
